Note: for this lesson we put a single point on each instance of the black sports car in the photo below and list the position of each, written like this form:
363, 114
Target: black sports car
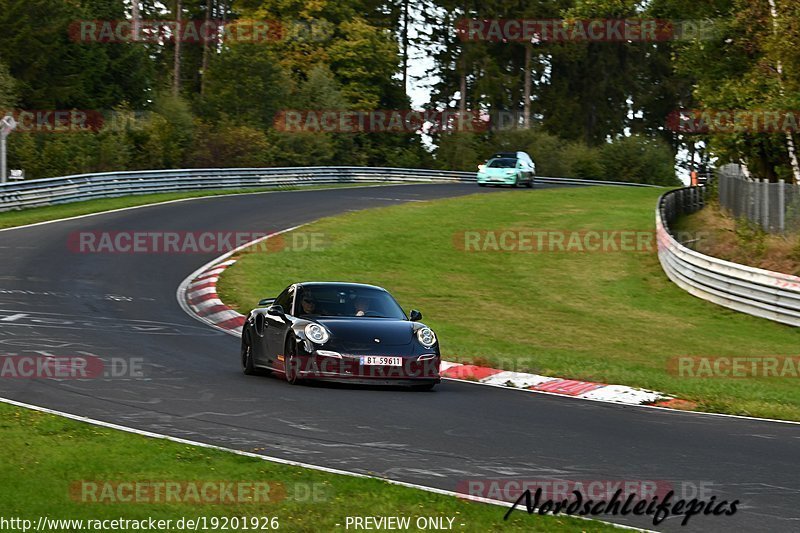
346, 332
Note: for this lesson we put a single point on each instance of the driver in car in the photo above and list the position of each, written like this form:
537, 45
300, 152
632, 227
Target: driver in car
308, 304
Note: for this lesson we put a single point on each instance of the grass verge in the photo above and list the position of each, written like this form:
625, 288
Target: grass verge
10, 219
609, 317
741, 242
44, 456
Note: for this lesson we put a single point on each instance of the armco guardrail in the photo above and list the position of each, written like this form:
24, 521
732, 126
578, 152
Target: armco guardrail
754, 291
36, 193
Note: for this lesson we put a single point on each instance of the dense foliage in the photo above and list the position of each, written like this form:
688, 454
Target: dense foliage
592, 109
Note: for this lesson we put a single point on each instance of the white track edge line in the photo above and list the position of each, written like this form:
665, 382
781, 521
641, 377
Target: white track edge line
635, 405
287, 462
86, 215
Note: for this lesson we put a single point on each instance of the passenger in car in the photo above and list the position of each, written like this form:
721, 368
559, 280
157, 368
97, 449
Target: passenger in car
361, 306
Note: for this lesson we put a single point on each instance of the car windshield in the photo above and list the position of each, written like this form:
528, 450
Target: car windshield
502, 163
346, 301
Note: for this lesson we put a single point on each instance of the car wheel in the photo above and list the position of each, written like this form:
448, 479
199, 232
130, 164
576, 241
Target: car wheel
247, 355
421, 388
529, 184
481, 185
290, 362
516, 182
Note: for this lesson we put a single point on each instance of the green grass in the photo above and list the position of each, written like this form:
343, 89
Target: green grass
610, 317
9, 219
44, 455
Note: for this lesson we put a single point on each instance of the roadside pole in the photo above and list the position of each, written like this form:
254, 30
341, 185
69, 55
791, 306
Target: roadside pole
7, 125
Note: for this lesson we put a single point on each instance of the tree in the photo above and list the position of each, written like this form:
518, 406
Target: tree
176, 69
365, 63
246, 83
228, 145
8, 88
638, 158
58, 69
737, 69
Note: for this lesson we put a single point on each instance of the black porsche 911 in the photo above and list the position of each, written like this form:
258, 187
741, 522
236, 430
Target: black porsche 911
347, 332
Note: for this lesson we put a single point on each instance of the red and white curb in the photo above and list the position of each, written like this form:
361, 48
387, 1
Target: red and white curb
201, 298
197, 294
563, 387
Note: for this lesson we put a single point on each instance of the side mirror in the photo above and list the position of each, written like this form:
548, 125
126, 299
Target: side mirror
266, 302
276, 310
415, 316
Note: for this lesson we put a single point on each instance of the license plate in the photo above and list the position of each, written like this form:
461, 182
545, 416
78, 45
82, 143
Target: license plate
381, 360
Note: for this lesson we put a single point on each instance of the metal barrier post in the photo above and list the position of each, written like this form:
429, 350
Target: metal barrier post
7, 125
781, 206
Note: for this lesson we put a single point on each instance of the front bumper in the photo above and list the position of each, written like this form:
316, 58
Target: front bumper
415, 370
499, 180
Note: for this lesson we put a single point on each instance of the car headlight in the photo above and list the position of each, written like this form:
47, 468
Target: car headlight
317, 334
426, 337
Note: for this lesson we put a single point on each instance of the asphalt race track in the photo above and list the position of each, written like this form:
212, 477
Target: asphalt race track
54, 301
